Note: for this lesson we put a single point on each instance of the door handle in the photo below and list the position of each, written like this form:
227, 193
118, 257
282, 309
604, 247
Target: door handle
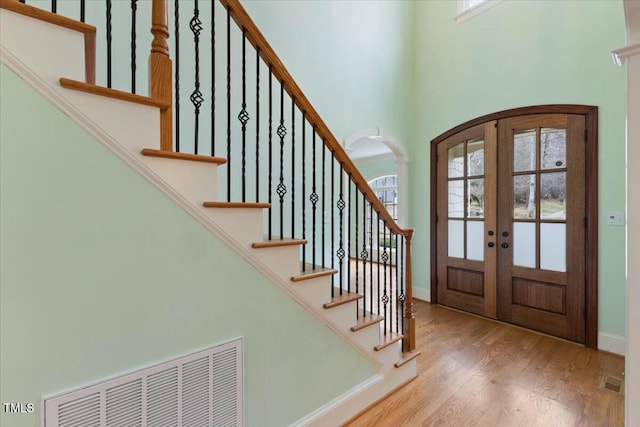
505, 245
491, 244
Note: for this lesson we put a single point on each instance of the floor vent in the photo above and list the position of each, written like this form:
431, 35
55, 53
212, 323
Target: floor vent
202, 389
612, 383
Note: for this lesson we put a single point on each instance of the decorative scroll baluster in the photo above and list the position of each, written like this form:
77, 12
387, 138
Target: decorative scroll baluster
364, 255
243, 117
341, 205
176, 27
371, 259
385, 295
281, 190
196, 96
134, 10
333, 226
109, 36
314, 199
160, 71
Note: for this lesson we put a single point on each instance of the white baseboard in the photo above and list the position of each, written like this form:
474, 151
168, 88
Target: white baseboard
422, 294
611, 343
338, 401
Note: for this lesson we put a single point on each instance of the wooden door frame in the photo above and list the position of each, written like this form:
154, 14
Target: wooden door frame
591, 182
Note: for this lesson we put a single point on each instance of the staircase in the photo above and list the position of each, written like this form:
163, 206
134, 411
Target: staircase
137, 125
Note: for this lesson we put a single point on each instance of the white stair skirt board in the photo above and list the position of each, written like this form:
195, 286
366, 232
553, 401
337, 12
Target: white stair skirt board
237, 228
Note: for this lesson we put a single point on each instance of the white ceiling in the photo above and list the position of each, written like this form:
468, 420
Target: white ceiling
367, 147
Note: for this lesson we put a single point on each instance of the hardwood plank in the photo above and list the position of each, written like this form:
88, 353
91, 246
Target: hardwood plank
151, 152
475, 371
43, 15
228, 205
277, 242
113, 93
365, 321
312, 273
345, 298
387, 340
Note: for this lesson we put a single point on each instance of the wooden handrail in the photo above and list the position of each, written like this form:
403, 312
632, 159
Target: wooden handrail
160, 66
255, 37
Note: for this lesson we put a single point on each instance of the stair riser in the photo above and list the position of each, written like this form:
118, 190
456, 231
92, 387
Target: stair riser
317, 291
343, 316
242, 224
187, 177
368, 337
34, 41
390, 355
282, 260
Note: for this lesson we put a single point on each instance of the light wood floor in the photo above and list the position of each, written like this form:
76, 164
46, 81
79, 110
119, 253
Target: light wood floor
477, 372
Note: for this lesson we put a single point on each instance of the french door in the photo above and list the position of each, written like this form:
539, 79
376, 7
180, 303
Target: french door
511, 217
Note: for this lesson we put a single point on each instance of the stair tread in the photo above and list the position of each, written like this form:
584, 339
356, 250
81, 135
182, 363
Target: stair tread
407, 357
275, 242
345, 298
387, 340
46, 16
151, 152
113, 93
367, 320
236, 205
311, 273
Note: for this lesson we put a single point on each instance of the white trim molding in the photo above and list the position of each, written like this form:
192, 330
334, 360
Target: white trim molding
611, 343
620, 55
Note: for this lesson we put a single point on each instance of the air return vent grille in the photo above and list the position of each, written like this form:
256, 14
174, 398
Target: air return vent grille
199, 390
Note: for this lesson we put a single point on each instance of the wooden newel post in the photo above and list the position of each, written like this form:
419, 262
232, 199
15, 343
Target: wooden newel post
160, 68
409, 332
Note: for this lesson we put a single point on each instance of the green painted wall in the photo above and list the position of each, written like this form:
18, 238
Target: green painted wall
372, 169
516, 54
353, 59
101, 274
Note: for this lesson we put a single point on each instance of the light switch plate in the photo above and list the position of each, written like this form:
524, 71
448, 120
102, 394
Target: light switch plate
615, 218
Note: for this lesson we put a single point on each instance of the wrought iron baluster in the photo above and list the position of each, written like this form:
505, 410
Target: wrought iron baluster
257, 125
322, 240
282, 132
355, 246
378, 265
341, 205
364, 255
213, 80
385, 295
348, 234
397, 282
302, 199
371, 260
333, 228
134, 10
402, 297
228, 105
109, 39
83, 8
314, 199
196, 96
243, 117
54, 6
270, 184
293, 166
176, 79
